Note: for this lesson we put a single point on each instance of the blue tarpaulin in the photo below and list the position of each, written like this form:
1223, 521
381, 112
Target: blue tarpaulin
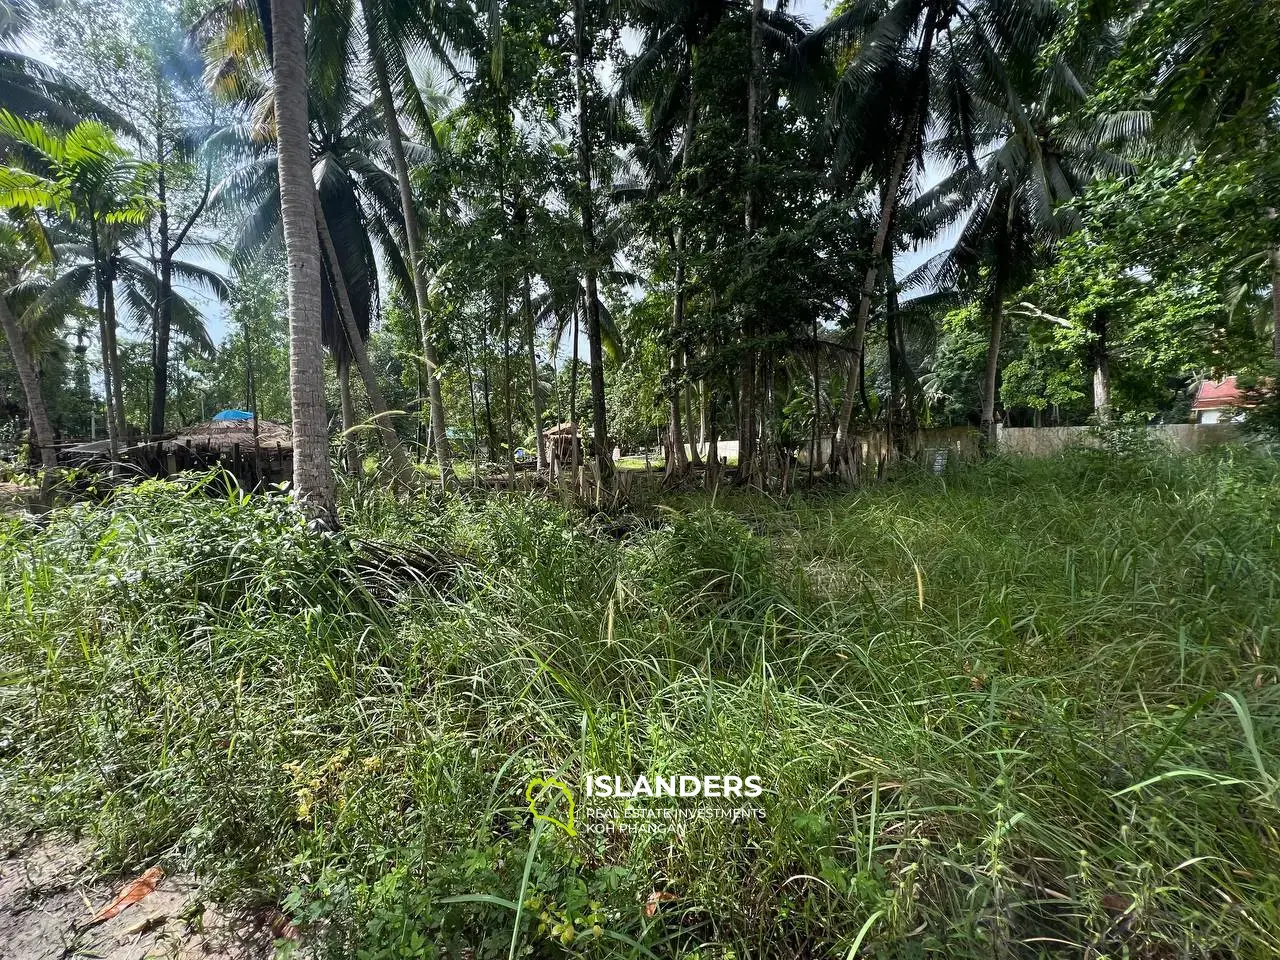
234, 415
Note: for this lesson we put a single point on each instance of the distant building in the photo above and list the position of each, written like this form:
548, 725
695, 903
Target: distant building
1220, 402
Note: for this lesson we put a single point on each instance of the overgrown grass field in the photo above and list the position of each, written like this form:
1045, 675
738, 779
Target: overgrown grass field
1029, 709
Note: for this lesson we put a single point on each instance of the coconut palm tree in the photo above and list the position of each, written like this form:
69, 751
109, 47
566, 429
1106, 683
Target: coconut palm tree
33, 89
1013, 200
16, 254
914, 66
312, 474
83, 174
392, 27
135, 286
356, 205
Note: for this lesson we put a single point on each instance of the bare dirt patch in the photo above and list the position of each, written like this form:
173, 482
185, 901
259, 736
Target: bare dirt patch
50, 893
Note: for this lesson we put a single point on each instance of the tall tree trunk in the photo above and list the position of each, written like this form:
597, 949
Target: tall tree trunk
312, 473
599, 423
573, 394
678, 458
506, 382
747, 416
351, 451
113, 351
899, 414
987, 439
712, 474
748, 455
815, 441
677, 466
1275, 303
703, 400
42, 430
753, 116
678, 463
475, 426
169, 245
413, 240
695, 456
164, 313
766, 452
888, 203
250, 381
1101, 369
400, 469
104, 341
487, 394
538, 439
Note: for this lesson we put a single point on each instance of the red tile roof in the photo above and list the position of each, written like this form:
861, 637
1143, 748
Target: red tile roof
1216, 396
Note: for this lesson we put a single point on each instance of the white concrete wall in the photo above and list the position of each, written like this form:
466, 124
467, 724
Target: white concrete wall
1050, 441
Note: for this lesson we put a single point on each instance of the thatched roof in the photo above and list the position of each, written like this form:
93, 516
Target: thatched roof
225, 433
566, 429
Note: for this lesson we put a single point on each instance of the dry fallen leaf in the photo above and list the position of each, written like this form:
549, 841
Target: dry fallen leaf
131, 894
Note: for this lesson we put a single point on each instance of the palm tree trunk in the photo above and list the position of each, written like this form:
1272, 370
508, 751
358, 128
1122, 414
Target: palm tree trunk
695, 456
748, 455
530, 332
113, 440
487, 393
312, 472
573, 395
746, 416
677, 465
350, 450
475, 426
899, 402
712, 475
40, 427
987, 439
164, 313
753, 116
888, 203
677, 462
1275, 303
105, 341
815, 433
702, 411
113, 351
400, 470
600, 427
413, 240
677, 459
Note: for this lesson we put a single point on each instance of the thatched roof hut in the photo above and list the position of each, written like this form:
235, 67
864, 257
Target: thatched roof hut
561, 441
221, 434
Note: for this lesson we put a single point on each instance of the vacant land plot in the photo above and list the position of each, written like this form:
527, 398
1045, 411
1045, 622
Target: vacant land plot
1023, 710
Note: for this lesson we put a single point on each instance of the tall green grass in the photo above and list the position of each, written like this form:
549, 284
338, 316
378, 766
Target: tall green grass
1025, 710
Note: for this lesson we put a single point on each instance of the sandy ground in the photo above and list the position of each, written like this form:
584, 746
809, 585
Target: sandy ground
49, 893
